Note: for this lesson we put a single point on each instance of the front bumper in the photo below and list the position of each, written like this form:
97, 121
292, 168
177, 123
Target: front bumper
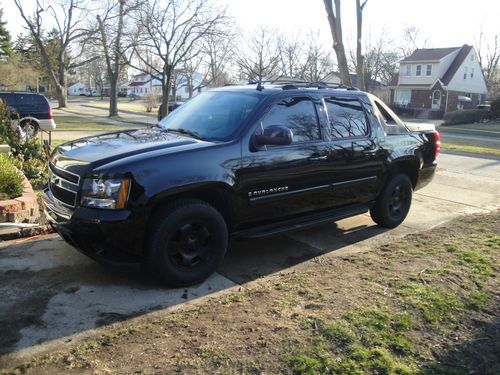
108, 236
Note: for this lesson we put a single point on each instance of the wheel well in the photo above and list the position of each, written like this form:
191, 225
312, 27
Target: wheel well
407, 167
217, 197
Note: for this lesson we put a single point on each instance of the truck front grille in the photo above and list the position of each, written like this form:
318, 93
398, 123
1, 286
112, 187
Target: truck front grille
63, 185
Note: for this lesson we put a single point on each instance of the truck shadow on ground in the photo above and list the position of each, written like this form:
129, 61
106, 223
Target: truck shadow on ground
50, 291
477, 354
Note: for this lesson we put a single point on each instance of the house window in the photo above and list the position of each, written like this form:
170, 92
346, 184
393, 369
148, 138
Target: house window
472, 57
428, 70
472, 73
419, 70
408, 70
465, 73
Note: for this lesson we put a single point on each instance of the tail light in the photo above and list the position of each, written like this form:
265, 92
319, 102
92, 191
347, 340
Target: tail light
437, 144
51, 116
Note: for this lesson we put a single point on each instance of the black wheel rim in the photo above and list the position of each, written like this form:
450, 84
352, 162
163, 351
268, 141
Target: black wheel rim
398, 202
191, 245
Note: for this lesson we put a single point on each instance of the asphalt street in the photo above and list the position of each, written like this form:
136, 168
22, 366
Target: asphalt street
52, 296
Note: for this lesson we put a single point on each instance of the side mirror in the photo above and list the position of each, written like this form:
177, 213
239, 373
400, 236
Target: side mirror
274, 135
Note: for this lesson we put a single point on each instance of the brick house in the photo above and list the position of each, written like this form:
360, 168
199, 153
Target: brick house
433, 81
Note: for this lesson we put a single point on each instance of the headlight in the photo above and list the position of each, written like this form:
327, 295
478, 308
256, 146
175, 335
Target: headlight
105, 193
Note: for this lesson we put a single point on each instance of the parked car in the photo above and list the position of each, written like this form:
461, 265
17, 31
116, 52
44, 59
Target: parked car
31, 112
172, 106
239, 161
486, 107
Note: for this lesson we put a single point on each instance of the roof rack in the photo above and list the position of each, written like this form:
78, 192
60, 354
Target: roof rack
295, 84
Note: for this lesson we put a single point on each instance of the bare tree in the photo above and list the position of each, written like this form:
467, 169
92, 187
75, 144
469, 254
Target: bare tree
412, 40
193, 79
218, 48
335, 21
380, 60
172, 31
94, 72
489, 59
116, 53
69, 16
259, 57
318, 62
360, 66
290, 56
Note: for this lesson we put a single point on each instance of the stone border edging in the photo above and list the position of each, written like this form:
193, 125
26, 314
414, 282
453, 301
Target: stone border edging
23, 208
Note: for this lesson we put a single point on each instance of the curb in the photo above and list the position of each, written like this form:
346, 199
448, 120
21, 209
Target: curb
8, 234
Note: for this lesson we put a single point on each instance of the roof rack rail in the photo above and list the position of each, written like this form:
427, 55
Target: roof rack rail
295, 84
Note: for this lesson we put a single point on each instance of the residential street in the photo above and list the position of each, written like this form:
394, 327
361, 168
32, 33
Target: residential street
53, 296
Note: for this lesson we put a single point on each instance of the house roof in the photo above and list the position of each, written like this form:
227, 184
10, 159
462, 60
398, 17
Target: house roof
429, 54
141, 83
464, 52
450, 72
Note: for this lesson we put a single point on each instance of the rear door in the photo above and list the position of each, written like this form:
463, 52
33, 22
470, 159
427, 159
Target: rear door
355, 158
282, 181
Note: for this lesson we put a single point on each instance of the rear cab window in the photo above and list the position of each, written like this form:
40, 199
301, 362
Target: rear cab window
390, 122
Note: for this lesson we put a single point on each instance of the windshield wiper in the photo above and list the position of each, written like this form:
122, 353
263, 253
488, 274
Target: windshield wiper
186, 132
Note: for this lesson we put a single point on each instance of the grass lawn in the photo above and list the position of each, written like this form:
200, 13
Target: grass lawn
136, 107
76, 123
426, 304
491, 126
472, 146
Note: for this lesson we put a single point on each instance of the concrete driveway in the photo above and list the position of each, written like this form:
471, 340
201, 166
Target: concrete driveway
52, 296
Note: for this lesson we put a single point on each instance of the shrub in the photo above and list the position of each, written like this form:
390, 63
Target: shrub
495, 108
465, 116
28, 156
11, 181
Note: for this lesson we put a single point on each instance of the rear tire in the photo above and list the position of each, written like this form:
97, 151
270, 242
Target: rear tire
393, 204
187, 244
30, 129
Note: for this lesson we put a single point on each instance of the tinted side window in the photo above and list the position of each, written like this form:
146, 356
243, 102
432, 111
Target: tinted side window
9, 99
346, 118
296, 113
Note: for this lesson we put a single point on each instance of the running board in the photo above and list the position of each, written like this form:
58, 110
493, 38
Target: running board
302, 222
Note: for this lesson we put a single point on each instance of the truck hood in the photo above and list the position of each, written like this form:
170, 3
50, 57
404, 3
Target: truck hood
83, 154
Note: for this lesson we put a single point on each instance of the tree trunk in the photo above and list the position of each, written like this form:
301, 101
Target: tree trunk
113, 96
61, 90
167, 83
335, 21
360, 60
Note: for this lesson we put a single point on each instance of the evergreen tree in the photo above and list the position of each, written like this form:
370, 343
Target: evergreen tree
5, 43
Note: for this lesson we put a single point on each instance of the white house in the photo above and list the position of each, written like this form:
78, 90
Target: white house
439, 80
77, 89
142, 84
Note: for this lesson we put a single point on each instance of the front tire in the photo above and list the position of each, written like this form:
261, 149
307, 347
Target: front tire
187, 244
393, 204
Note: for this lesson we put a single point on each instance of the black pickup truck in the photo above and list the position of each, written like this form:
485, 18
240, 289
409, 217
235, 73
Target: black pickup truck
239, 161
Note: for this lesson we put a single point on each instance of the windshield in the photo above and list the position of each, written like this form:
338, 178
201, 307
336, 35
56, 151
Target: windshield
212, 116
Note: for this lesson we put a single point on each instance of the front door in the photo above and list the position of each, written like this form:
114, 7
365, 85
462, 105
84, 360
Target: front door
281, 181
436, 99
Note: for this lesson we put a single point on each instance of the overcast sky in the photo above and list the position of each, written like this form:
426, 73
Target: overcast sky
444, 23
